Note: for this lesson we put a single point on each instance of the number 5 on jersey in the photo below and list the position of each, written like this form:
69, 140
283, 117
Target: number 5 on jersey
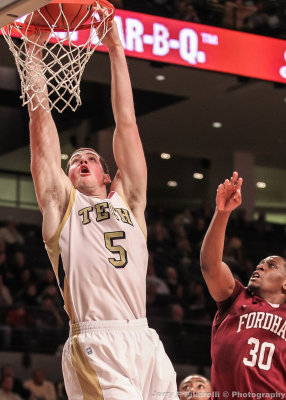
109, 238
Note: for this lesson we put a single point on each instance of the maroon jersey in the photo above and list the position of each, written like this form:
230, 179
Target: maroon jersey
248, 347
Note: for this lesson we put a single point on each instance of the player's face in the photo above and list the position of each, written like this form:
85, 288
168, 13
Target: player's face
195, 387
269, 276
86, 170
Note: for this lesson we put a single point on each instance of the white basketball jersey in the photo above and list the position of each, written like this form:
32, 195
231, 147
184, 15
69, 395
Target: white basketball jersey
99, 255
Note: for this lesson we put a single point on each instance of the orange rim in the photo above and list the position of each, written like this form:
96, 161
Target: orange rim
45, 28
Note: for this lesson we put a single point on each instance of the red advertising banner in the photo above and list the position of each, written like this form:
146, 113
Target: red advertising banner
199, 46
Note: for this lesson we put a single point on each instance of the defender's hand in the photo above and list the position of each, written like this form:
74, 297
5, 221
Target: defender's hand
229, 194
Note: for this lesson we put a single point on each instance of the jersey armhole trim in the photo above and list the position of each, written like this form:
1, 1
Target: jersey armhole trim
129, 209
55, 238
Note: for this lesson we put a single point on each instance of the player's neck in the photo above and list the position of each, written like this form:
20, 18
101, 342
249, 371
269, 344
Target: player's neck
273, 298
99, 192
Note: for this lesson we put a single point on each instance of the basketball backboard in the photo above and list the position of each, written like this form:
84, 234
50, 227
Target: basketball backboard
13, 9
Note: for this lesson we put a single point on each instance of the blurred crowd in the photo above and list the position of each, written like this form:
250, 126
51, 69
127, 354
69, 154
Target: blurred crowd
265, 17
174, 278
36, 388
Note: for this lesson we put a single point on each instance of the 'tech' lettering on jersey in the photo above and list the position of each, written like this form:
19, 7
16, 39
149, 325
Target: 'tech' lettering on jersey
99, 255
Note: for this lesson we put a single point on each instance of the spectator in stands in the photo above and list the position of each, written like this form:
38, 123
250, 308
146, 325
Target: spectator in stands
5, 301
29, 296
195, 387
197, 302
197, 232
184, 254
191, 14
18, 317
180, 9
48, 287
6, 392
172, 280
10, 233
236, 12
49, 316
24, 281
157, 292
5, 295
60, 390
258, 20
205, 211
4, 262
18, 388
41, 388
185, 218
159, 243
177, 314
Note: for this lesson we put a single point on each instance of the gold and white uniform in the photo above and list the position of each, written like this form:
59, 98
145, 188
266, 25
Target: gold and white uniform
99, 255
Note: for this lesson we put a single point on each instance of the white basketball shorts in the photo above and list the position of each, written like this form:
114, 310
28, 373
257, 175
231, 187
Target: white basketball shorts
117, 360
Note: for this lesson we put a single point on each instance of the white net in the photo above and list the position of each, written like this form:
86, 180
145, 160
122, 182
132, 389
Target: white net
51, 70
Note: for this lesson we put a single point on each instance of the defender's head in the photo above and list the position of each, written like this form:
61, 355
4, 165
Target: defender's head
269, 278
195, 387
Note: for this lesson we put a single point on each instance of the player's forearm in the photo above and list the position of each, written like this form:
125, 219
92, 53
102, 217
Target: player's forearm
121, 90
45, 146
213, 244
38, 92
44, 140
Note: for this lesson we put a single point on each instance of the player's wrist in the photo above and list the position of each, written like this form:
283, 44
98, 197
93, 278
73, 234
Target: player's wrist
222, 212
115, 47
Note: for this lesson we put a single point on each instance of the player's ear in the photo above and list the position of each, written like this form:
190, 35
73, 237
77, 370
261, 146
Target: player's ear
107, 180
284, 287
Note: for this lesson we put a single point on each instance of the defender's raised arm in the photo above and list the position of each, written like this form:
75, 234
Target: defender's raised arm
216, 273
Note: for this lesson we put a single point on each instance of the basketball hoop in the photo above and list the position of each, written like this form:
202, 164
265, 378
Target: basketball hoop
51, 70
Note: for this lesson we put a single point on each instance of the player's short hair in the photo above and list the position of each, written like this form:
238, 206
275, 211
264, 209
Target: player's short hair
101, 159
194, 375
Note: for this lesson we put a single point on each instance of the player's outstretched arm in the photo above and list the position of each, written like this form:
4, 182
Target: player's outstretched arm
51, 183
216, 273
131, 178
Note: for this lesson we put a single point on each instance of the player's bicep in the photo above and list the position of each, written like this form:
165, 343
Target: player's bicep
220, 282
50, 186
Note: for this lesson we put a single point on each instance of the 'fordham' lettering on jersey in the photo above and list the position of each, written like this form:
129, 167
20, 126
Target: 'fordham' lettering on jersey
248, 345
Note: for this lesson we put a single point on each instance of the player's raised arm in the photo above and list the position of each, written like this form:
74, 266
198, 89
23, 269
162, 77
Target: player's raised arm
216, 273
128, 152
51, 183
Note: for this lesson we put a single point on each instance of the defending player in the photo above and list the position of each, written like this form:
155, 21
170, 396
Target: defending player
249, 329
195, 387
97, 245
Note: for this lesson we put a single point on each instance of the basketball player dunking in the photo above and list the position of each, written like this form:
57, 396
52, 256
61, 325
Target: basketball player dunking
249, 329
97, 245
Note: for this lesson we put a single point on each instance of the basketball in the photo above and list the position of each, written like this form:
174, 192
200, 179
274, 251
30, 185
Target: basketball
70, 16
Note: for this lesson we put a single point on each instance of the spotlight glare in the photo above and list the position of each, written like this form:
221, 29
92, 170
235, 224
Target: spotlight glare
64, 156
261, 185
172, 183
198, 175
160, 78
217, 125
165, 156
